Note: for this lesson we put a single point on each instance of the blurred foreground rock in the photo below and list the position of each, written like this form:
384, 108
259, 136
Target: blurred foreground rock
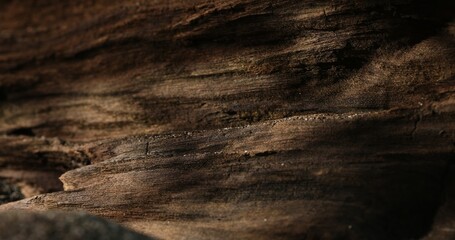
24, 225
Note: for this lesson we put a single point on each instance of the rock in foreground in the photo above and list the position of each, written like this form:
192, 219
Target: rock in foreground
20, 225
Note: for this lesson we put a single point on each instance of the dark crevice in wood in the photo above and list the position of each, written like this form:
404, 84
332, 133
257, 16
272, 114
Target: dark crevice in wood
24, 131
9, 192
445, 183
35, 171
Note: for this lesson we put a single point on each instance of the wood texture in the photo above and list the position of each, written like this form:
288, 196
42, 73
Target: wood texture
234, 119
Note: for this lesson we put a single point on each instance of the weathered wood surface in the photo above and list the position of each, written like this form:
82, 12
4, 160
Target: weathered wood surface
234, 119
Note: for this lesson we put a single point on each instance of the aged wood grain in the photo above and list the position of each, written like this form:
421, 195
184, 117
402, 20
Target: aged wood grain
234, 119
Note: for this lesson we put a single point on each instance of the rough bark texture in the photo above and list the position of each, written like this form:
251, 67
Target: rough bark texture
234, 119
